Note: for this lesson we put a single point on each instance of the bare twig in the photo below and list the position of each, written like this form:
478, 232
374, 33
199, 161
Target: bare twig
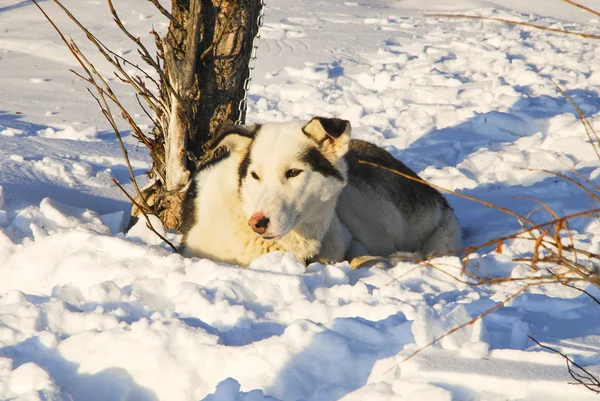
521, 23
144, 53
586, 123
104, 50
163, 10
111, 120
593, 298
105, 93
454, 330
546, 241
566, 264
589, 10
83, 61
549, 239
585, 378
567, 178
472, 198
148, 223
154, 122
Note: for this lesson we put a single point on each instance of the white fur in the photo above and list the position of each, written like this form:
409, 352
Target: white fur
287, 202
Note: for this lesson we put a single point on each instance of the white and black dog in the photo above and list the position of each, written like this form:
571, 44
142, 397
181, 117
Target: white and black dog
299, 187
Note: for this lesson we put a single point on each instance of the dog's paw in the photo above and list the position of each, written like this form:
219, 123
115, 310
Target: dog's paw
367, 261
323, 260
398, 257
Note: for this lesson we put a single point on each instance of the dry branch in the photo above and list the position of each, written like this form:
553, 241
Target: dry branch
154, 102
589, 130
560, 260
577, 372
589, 10
148, 223
521, 23
454, 330
545, 237
571, 180
471, 198
160, 8
105, 95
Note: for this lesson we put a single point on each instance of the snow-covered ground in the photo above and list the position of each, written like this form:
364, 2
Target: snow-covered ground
88, 313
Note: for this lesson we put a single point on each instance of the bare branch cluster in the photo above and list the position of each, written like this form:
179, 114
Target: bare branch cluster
555, 258
529, 24
110, 103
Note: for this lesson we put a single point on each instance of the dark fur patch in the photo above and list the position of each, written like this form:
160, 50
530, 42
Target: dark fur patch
400, 189
216, 153
319, 163
335, 127
225, 130
243, 169
188, 212
212, 158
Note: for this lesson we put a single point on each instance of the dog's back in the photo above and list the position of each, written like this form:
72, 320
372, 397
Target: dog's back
388, 213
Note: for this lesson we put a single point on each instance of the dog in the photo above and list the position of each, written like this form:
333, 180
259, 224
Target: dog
300, 187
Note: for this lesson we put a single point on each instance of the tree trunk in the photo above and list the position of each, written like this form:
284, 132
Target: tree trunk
206, 54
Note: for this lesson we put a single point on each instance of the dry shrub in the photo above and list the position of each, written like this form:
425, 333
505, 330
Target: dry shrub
555, 258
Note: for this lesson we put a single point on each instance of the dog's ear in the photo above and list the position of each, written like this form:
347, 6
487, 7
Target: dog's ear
332, 135
236, 138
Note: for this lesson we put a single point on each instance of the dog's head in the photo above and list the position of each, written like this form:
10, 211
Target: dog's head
289, 172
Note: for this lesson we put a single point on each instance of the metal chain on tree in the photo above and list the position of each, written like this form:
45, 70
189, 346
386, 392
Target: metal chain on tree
243, 105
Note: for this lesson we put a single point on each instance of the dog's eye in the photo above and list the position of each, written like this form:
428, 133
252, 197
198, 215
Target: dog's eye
294, 172
254, 175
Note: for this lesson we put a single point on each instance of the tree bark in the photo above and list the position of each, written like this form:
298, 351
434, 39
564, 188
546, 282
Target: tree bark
206, 55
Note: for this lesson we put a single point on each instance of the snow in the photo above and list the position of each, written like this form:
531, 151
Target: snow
89, 312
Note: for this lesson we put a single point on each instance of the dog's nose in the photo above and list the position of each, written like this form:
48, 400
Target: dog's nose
259, 223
